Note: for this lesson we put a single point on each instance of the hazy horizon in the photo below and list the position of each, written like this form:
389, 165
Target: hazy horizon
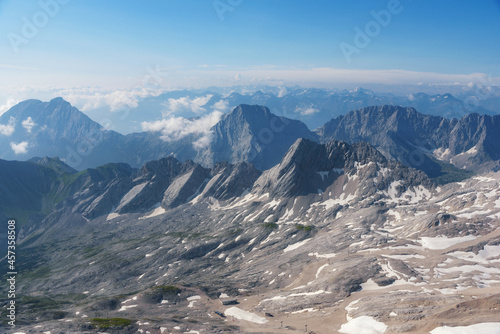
87, 51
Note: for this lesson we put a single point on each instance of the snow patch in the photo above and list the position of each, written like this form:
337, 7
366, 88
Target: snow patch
296, 245
363, 325
112, 216
442, 242
158, 211
244, 315
486, 327
370, 285
322, 256
484, 256
124, 308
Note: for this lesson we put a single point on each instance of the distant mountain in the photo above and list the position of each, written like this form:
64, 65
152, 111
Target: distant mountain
55, 128
440, 146
253, 134
312, 106
249, 133
429, 143
443, 105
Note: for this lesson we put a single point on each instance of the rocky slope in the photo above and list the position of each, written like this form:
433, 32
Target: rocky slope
332, 236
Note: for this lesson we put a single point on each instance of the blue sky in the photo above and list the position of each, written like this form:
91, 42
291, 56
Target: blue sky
115, 44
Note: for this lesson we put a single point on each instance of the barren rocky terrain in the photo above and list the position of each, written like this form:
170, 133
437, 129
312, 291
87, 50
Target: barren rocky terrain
345, 242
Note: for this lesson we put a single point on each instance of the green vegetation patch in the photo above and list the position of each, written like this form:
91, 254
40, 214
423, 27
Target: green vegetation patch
270, 226
38, 273
450, 173
188, 235
167, 289
105, 323
305, 228
88, 252
42, 303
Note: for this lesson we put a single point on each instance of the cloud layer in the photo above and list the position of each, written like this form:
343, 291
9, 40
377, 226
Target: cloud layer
89, 99
176, 128
185, 104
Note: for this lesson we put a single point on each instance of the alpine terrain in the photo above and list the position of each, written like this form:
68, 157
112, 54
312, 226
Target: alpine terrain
336, 236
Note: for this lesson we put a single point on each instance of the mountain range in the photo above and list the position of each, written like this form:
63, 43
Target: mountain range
383, 217
333, 236
312, 106
441, 147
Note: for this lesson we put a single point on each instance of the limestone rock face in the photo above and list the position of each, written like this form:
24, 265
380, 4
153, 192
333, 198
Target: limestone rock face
421, 141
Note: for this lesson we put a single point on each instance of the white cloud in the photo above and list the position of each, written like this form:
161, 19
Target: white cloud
175, 128
304, 111
20, 148
282, 91
204, 141
185, 104
28, 124
89, 99
8, 129
222, 105
9, 104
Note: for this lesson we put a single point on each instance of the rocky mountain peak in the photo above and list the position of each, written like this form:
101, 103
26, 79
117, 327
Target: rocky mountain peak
252, 114
54, 163
165, 166
363, 153
305, 154
309, 167
252, 133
